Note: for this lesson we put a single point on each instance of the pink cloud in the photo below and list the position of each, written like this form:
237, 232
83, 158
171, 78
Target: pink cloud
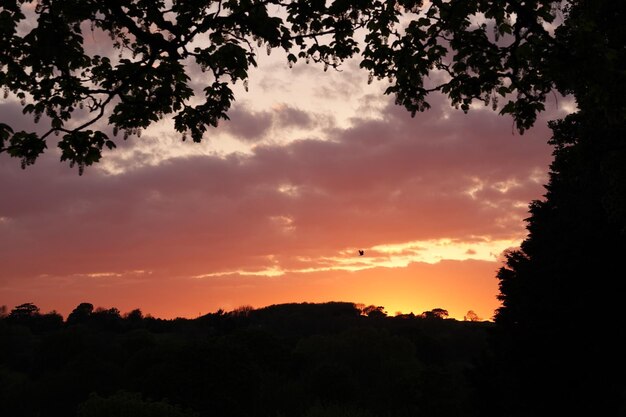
389, 180
247, 125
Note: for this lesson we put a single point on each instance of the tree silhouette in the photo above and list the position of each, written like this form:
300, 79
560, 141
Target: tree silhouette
24, 311
293, 359
134, 315
374, 311
81, 313
435, 313
471, 316
155, 48
123, 404
568, 264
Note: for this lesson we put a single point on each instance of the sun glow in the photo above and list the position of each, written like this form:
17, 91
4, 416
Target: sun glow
397, 255
433, 251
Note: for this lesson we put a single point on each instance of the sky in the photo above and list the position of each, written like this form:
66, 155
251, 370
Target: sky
273, 206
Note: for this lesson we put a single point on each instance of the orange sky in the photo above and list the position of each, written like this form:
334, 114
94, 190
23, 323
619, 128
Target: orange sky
274, 205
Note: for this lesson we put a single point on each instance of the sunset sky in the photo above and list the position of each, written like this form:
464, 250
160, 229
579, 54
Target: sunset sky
274, 205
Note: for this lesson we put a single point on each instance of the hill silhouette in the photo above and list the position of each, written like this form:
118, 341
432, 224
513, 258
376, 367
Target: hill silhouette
328, 359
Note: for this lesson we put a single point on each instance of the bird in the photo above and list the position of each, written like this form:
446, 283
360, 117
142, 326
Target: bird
361, 252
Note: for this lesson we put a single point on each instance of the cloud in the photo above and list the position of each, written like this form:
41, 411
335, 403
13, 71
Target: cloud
247, 125
252, 126
287, 116
301, 207
382, 181
273, 205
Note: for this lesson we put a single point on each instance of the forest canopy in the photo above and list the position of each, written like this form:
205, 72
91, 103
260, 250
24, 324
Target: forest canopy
490, 51
309, 360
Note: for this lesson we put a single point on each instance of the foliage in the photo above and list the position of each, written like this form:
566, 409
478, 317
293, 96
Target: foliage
568, 266
80, 313
435, 313
374, 311
469, 50
293, 359
471, 316
124, 404
566, 269
24, 311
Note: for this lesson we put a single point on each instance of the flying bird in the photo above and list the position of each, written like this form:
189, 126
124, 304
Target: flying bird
361, 252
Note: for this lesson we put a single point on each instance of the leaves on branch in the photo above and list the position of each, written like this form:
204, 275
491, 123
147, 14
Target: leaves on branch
419, 47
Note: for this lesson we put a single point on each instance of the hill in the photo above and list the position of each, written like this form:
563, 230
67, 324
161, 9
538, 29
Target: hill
283, 360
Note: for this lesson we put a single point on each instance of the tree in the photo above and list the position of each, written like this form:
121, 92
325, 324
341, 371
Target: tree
471, 316
122, 404
29, 315
567, 265
81, 313
24, 311
374, 311
242, 311
135, 315
156, 45
435, 313
547, 351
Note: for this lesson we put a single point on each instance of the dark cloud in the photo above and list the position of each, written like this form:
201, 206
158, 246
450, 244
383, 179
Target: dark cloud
246, 125
253, 126
292, 117
11, 114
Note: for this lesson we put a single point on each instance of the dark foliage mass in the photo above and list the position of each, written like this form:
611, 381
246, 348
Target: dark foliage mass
156, 47
562, 292
284, 360
561, 330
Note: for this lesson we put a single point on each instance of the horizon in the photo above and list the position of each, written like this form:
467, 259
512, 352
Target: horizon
5, 311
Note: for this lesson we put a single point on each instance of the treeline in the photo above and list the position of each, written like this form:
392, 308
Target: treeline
332, 359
